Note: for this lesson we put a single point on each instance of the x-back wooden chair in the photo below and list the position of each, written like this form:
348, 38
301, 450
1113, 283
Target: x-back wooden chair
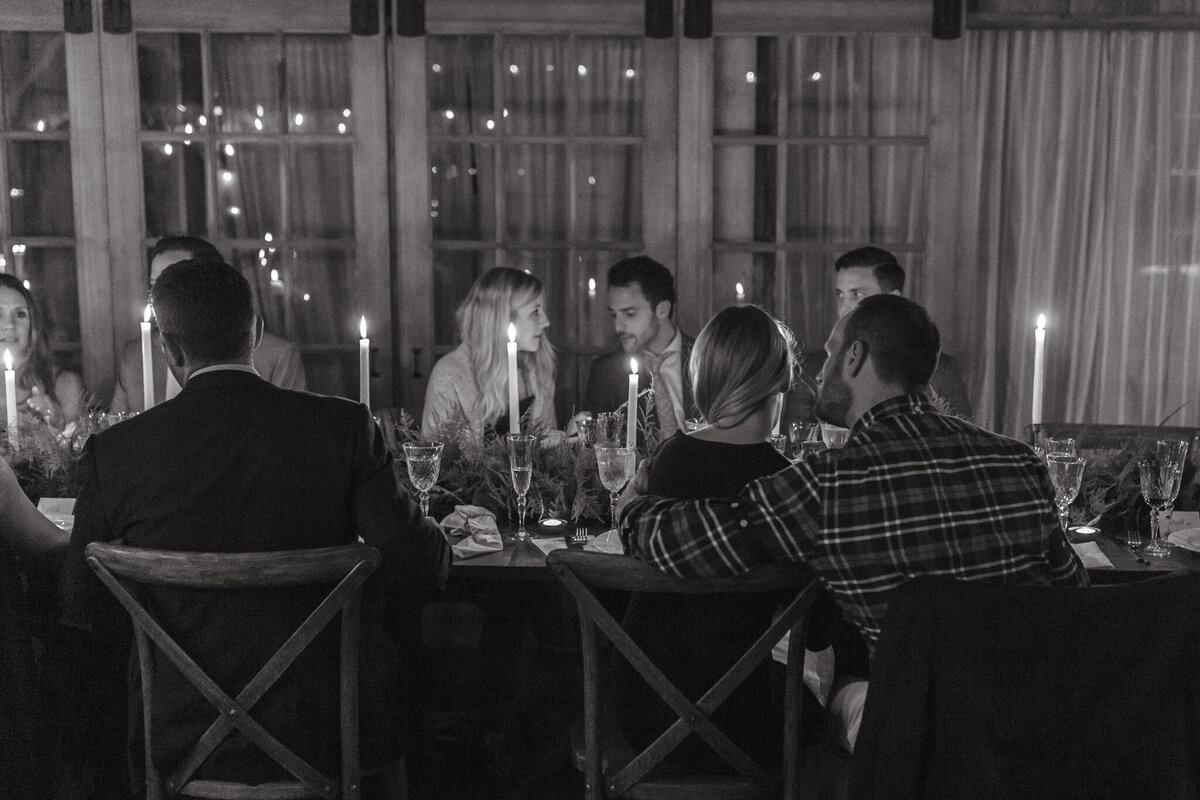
627, 774
126, 571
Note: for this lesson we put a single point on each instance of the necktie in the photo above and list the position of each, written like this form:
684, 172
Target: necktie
662, 398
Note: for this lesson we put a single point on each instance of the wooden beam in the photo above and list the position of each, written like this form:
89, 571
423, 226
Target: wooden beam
772, 17
694, 242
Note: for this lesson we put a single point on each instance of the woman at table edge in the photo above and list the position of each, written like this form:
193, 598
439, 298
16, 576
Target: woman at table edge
54, 394
468, 387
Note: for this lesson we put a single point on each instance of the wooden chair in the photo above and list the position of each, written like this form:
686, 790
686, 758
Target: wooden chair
126, 571
610, 766
1090, 437
994, 691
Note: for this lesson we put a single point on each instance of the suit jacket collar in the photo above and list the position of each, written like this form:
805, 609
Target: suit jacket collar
219, 379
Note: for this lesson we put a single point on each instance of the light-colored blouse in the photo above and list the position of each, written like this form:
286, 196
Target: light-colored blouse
453, 400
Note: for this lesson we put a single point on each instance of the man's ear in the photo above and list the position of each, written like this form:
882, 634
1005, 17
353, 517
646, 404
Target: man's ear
172, 348
258, 331
856, 357
663, 309
896, 292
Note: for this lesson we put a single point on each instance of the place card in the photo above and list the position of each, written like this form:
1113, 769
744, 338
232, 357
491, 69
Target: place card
1184, 519
56, 505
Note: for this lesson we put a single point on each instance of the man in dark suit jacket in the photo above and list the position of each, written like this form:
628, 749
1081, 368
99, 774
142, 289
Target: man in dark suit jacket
641, 300
235, 464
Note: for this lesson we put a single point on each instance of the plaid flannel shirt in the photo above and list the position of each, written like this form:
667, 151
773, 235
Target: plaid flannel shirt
913, 492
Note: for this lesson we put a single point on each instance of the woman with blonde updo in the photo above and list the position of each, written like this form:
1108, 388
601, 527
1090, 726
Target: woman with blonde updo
468, 388
741, 364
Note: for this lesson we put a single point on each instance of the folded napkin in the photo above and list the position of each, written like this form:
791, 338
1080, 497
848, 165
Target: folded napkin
607, 542
1091, 556
1188, 538
547, 546
477, 527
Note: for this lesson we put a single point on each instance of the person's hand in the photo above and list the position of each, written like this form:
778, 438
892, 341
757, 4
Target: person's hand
45, 408
640, 485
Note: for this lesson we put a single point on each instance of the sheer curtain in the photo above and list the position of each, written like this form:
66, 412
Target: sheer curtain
1080, 199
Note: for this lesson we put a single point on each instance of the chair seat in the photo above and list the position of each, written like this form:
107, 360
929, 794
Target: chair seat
225, 790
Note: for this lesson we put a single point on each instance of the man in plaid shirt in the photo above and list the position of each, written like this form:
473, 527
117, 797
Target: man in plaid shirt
913, 492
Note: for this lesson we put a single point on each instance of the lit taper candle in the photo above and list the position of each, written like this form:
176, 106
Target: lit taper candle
364, 363
514, 401
631, 417
147, 363
1039, 368
10, 394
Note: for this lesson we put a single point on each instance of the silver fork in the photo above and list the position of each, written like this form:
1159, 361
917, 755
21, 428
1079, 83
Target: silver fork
580, 536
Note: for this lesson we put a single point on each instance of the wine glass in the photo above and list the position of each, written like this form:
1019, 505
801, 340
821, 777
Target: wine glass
617, 465
811, 447
1066, 473
1174, 453
609, 429
424, 463
780, 442
834, 436
520, 463
1064, 445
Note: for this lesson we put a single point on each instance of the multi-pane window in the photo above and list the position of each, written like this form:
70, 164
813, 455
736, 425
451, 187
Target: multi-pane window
247, 141
820, 146
37, 223
535, 149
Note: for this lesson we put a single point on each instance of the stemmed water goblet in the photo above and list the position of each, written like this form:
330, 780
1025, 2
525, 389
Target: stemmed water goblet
1160, 477
520, 462
617, 465
1066, 473
609, 428
424, 463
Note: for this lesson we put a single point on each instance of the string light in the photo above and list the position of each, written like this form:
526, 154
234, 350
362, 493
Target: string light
346, 113
583, 71
188, 129
436, 67
490, 124
203, 120
229, 150
218, 111
449, 113
258, 109
341, 127
750, 77
591, 180
167, 149
307, 297
267, 237
816, 76
227, 176
234, 211
299, 120
258, 124
514, 69
630, 73
40, 126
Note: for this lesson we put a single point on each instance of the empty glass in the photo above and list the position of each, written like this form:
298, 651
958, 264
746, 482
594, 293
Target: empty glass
1066, 473
617, 466
520, 463
1064, 446
424, 463
1160, 477
834, 436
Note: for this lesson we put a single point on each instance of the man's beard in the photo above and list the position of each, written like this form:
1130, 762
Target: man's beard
834, 399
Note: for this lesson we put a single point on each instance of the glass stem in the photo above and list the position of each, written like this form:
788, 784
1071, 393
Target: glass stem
521, 514
424, 503
1168, 511
612, 508
1062, 517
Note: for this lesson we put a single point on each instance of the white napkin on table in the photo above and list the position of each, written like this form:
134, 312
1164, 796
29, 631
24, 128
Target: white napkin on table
1091, 555
1188, 538
607, 542
477, 527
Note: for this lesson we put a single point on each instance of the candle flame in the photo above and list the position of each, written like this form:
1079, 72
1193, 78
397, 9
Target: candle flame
740, 290
591, 284
633, 366
362, 327
1041, 322
7, 359
146, 314
512, 332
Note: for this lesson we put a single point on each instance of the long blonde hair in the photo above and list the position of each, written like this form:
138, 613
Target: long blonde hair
483, 320
742, 357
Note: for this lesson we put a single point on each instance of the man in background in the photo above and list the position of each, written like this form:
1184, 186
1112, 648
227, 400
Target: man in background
861, 273
235, 464
641, 301
276, 359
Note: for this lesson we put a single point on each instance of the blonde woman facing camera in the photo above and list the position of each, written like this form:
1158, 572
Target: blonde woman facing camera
468, 388
741, 363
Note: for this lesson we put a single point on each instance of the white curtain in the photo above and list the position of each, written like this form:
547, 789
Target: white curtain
1081, 196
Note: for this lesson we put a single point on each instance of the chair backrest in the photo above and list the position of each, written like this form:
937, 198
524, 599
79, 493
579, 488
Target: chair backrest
984, 690
581, 572
127, 570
